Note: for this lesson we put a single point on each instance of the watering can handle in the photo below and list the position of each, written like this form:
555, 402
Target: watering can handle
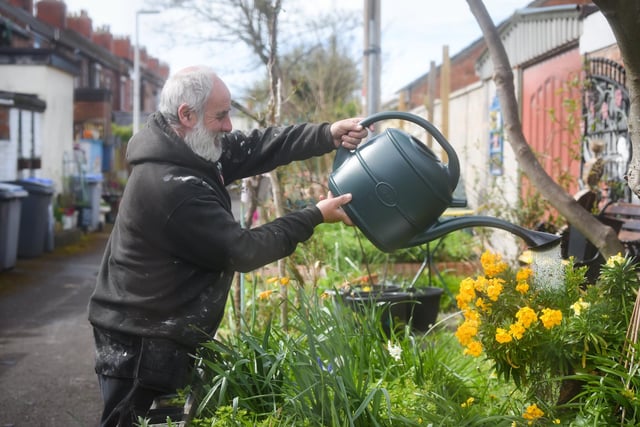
453, 166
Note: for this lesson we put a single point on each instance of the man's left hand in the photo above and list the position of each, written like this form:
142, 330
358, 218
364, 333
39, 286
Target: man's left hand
348, 133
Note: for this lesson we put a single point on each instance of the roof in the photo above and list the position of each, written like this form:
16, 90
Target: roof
532, 33
23, 101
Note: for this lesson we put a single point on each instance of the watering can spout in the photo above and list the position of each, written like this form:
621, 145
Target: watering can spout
536, 240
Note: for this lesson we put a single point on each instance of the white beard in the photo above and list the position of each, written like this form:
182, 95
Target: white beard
204, 143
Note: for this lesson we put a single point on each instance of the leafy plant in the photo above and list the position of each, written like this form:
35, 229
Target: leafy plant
534, 334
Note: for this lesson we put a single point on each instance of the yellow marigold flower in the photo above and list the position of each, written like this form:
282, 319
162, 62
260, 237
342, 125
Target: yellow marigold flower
264, 295
467, 331
481, 284
524, 274
284, 281
471, 315
482, 305
615, 260
466, 294
502, 336
271, 280
467, 403
532, 412
522, 287
474, 348
580, 305
494, 289
517, 330
467, 286
492, 264
550, 317
526, 316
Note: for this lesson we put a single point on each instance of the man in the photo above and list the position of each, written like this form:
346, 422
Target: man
175, 246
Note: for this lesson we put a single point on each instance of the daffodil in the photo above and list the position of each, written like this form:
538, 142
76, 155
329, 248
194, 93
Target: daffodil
264, 295
395, 351
284, 281
467, 403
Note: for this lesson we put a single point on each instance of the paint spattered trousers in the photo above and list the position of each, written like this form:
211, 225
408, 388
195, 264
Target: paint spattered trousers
133, 371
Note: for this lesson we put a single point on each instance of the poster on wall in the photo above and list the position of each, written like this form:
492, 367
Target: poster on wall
495, 138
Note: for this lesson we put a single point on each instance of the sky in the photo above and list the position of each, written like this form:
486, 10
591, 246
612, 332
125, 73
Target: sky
413, 33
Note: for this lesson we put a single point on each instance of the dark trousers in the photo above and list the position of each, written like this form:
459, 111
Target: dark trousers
133, 371
124, 401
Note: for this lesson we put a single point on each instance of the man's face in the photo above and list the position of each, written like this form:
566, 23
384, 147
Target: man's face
204, 143
216, 113
204, 138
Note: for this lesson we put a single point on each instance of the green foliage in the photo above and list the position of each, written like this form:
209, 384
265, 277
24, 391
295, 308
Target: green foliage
544, 338
123, 132
336, 367
346, 252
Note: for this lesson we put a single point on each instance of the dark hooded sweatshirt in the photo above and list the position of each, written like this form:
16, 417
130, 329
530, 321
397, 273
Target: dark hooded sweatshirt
175, 246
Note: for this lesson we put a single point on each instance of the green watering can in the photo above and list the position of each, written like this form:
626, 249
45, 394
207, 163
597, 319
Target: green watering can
401, 188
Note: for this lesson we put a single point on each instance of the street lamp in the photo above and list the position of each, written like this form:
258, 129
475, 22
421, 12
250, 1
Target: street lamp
136, 72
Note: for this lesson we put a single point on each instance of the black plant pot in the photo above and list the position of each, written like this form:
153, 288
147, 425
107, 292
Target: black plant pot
419, 306
425, 309
397, 306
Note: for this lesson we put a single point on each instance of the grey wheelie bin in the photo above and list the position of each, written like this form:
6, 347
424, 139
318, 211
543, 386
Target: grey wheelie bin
11, 197
36, 218
88, 190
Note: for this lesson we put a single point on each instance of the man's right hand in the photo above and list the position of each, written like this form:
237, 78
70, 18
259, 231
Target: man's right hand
331, 208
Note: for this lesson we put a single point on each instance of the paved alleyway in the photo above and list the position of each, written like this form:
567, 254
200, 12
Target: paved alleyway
46, 345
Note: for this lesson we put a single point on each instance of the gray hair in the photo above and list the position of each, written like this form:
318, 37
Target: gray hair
191, 86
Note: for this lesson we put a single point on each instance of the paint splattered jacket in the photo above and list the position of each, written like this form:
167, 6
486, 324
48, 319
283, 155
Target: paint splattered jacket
169, 261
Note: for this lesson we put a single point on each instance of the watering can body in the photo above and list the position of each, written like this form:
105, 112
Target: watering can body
400, 189
399, 186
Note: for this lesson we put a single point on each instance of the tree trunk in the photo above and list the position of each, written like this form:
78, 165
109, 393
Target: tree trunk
602, 236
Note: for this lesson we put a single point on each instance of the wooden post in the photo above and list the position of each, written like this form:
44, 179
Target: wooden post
431, 96
445, 88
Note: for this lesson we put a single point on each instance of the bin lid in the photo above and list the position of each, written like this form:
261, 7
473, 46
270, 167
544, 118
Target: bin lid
93, 177
36, 185
89, 178
11, 191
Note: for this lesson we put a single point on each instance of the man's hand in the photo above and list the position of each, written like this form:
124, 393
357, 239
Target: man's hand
348, 133
331, 208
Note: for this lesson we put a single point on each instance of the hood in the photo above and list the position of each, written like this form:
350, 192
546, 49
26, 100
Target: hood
157, 142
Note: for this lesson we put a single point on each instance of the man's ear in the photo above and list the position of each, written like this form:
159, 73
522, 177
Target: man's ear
187, 116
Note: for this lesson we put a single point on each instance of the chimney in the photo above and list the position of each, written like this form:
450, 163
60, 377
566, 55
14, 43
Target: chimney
52, 12
102, 37
23, 4
81, 24
122, 48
